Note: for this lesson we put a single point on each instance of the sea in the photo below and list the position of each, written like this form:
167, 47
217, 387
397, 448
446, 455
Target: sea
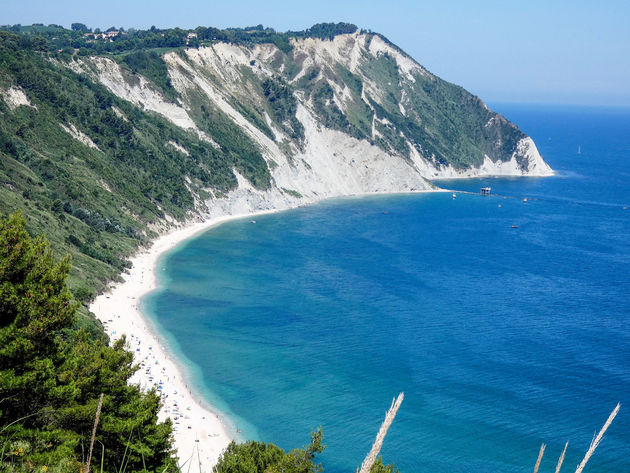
504, 319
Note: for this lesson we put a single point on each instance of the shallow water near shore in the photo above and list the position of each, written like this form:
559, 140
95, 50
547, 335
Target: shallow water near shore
500, 337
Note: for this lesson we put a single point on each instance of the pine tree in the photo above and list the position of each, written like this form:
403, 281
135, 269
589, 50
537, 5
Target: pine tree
51, 376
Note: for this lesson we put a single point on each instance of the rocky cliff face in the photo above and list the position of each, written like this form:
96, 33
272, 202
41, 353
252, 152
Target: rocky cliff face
336, 117
102, 152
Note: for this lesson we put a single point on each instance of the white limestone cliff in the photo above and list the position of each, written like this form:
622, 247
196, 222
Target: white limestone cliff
326, 163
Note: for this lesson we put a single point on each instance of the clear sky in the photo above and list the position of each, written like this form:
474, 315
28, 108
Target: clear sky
553, 51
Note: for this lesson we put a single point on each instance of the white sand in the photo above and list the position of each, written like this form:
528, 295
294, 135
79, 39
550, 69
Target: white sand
199, 434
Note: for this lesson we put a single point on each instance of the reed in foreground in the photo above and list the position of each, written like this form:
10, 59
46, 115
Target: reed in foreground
370, 459
591, 449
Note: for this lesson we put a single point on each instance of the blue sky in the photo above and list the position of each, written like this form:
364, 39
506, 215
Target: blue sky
570, 52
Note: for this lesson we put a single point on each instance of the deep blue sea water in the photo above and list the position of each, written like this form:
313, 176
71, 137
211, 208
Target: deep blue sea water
500, 337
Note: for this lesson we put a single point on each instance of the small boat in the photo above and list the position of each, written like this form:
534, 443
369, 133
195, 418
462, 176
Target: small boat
525, 199
514, 226
454, 195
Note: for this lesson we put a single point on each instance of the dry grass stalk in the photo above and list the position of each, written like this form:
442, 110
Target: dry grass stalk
366, 466
540, 455
596, 440
561, 459
98, 416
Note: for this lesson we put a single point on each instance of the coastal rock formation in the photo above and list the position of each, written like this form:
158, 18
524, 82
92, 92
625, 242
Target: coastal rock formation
115, 142
108, 140
330, 117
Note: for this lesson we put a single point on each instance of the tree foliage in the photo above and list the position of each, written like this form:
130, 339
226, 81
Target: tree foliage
260, 457
283, 106
150, 65
330, 30
79, 27
51, 377
80, 36
380, 467
108, 195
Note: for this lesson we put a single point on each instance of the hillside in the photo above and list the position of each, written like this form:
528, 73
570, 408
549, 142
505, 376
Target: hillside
106, 142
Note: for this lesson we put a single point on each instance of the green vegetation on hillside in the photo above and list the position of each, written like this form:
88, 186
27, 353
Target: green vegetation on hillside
51, 377
97, 202
100, 198
150, 65
327, 109
283, 106
98, 176
443, 122
55, 38
261, 457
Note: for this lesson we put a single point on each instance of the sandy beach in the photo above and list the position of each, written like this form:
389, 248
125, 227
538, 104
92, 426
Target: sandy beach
199, 434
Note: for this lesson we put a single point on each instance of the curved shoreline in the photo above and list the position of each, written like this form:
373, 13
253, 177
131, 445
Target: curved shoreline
198, 431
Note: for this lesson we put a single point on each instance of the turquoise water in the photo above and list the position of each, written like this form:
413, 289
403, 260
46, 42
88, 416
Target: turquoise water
500, 337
